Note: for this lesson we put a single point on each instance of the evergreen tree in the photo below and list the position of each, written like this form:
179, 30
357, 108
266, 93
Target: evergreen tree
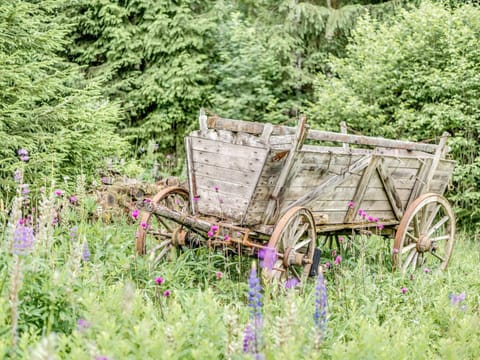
46, 106
155, 55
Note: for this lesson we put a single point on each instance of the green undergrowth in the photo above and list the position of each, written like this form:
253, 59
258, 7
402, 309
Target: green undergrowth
124, 314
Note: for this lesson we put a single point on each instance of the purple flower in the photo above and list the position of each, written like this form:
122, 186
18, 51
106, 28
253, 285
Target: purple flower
101, 357
360, 212
226, 238
216, 188
248, 339
167, 293
196, 198
73, 199
375, 219
18, 176
147, 200
370, 218
380, 226
457, 299
73, 233
252, 338
351, 204
327, 265
395, 250
134, 214
338, 260
426, 270
144, 225
341, 240
320, 314
23, 240
268, 256
292, 282
159, 280
82, 325
404, 290
58, 192
23, 155
210, 233
334, 253
214, 228
219, 275
85, 251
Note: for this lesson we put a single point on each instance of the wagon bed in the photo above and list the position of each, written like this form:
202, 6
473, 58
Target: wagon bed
259, 179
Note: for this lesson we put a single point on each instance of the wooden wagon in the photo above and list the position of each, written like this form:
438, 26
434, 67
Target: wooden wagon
259, 188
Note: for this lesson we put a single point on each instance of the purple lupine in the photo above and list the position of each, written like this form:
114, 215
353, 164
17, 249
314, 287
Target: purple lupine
85, 251
457, 299
320, 314
18, 176
82, 325
23, 154
253, 337
23, 239
74, 233
248, 339
292, 282
268, 256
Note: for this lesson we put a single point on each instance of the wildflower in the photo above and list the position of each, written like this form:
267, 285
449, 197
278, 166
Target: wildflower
360, 212
147, 200
268, 256
404, 290
426, 270
82, 325
375, 219
214, 228
320, 314
167, 293
210, 233
457, 299
248, 339
395, 250
144, 225
18, 176
370, 218
134, 214
292, 282
85, 252
252, 338
159, 280
25, 189
58, 192
105, 180
334, 253
226, 238
327, 265
73, 199
338, 260
23, 155
380, 226
216, 188
219, 275
101, 357
23, 239
73, 233
196, 198
341, 240
351, 204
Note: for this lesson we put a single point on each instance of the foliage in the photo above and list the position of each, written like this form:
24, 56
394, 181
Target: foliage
415, 79
155, 55
46, 105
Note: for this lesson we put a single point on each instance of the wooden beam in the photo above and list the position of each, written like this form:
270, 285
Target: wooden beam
390, 190
360, 191
192, 183
203, 121
257, 128
331, 182
287, 167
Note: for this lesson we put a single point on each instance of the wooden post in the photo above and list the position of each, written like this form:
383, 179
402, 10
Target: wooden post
202, 120
343, 130
282, 178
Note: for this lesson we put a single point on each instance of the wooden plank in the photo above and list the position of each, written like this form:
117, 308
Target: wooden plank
392, 194
192, 183
439, 153
331, 182
257, 128
287, 167
223, 148
343, 130
361, 189
203, 121
420, 180
239, 176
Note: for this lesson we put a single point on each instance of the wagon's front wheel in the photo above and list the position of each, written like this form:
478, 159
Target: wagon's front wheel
155, 233
425, 235
293, 244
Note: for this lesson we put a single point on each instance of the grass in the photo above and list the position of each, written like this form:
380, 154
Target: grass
124, 315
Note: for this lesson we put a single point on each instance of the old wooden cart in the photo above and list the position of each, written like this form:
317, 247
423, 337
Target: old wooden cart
254, 187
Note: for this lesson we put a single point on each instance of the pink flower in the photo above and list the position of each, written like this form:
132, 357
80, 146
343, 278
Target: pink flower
147, 200
426, 270
159, 280
73, 199
375, 219
334, 253
395, 250
167, 293
226, 238
144, 225
370, 219
215, 188
327, 265
210, 233
196, 198
214, 228
219, 275
58, 192
404, 290
341, 240
360, 212
135, 214
380, 226
351, 204
338, 260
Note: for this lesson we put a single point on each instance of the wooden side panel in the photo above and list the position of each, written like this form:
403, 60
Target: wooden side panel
226, 176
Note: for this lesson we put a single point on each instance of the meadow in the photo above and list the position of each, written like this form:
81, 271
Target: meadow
77, 290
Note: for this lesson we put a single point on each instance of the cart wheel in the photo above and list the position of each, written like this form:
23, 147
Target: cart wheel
154, 235
294, 242
425, 235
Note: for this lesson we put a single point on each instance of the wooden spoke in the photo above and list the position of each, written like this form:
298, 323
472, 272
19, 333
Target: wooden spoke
417, 238
294, 239
155, 232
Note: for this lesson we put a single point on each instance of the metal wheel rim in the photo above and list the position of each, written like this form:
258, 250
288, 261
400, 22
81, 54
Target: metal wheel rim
281, 240
425, 235
161, 248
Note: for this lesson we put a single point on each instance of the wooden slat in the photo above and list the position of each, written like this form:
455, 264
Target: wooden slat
257, 128
391, 191
361, 189
192, 183
223, 148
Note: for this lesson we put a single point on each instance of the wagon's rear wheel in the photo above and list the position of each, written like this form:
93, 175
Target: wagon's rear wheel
425, 235
155, 233
294, 242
